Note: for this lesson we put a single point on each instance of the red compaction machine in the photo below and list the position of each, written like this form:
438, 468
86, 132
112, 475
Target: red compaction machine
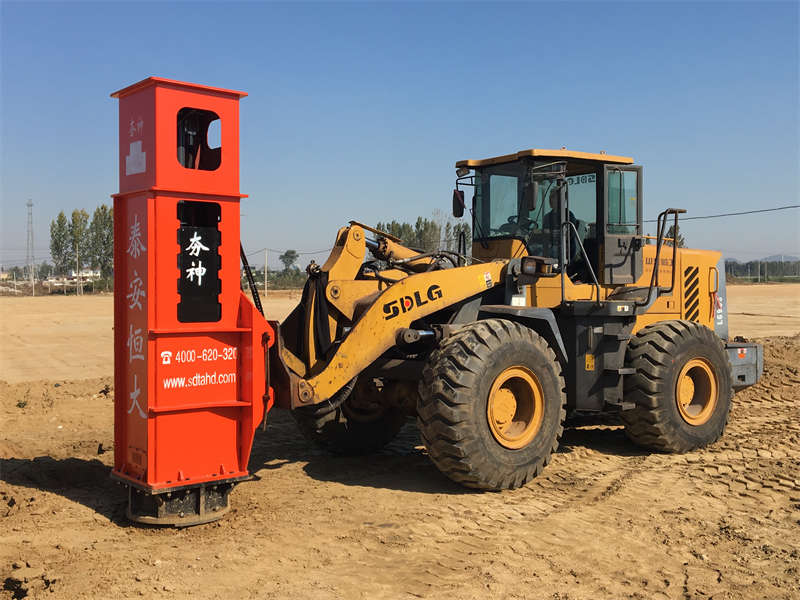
189, 346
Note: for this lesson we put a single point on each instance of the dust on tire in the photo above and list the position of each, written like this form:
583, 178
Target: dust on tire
333, 426
452, 413
658, 353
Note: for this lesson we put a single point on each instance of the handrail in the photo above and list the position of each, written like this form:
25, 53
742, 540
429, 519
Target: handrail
565, 224
661, 224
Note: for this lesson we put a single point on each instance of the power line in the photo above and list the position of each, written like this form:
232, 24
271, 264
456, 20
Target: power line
733, 214
282, 251
18, 262
305, 252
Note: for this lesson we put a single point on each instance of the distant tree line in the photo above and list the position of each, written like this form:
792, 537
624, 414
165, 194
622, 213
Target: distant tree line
758, 270
291, 276
428, 235
40, 271
425, 234
80, 242
281, 279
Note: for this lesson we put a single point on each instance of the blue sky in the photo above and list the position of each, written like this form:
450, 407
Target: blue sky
360, 110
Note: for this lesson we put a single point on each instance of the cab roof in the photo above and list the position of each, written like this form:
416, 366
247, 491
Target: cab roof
539, 152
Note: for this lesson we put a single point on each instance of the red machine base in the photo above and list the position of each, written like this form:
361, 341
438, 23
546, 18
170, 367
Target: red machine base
183, 506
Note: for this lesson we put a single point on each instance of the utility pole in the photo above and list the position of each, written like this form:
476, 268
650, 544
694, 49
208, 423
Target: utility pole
30, 258
759, 271
265, 272
78, 286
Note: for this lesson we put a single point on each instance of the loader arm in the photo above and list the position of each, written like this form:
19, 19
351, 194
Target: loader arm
396, 308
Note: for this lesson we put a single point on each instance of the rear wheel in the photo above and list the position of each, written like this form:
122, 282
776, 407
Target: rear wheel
682, 387
491, 408
362, 417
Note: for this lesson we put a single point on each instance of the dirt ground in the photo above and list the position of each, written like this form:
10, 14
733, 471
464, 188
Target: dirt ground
764, 309
605, 520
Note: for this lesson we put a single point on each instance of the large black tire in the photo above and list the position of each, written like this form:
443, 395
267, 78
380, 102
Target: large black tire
359, 419
454, 402
667, 417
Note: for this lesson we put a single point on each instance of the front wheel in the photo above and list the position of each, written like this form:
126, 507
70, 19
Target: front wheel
491, 407
361, 418
682, 387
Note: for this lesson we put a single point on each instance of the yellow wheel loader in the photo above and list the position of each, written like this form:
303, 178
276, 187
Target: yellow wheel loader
562, 306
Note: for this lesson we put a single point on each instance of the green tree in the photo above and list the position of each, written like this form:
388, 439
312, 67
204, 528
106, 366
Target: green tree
44, 270
439, 233
423, 235
671, 234
403, 231
59, 243
427, 234
101, 240
79, 239
288, 259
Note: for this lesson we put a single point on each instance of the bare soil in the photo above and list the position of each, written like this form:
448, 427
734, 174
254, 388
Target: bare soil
764, 309
605, 520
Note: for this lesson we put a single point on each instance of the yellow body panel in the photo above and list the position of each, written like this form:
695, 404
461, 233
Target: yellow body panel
503, 248
546, 291
696, 270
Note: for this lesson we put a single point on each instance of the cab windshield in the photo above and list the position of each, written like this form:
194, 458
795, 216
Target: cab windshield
504, 205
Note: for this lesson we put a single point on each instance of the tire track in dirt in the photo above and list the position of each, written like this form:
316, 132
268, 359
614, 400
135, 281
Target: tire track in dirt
484, 526
584, 480
603, 520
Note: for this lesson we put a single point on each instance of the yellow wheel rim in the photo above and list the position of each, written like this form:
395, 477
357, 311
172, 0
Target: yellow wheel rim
696, 391
516, 407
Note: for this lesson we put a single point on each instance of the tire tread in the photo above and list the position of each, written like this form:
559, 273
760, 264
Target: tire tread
650, 424
448, 397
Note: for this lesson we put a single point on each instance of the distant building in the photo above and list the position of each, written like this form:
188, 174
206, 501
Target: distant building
85, 274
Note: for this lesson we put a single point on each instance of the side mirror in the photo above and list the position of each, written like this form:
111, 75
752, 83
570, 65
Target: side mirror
458, 203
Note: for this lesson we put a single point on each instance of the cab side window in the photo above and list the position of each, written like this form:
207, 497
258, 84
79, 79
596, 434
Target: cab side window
623, 202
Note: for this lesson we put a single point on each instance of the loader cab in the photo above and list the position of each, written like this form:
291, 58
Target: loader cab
520, 203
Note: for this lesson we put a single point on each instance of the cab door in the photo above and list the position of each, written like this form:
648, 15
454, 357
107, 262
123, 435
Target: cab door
622, 224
